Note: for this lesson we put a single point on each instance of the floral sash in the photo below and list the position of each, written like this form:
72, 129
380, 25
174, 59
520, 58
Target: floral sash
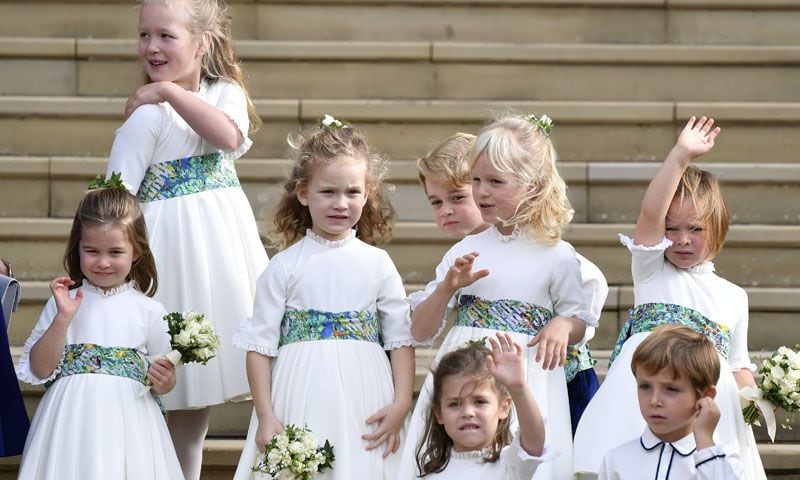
518, 317
90, 358
648, 316
186, 176
309, 325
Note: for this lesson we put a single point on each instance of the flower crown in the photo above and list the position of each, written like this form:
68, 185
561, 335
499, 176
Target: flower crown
114, 181
329, 121
544, 122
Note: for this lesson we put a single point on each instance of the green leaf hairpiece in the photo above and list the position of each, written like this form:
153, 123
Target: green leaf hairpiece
114, 181
544, 122
329, 121
479, 343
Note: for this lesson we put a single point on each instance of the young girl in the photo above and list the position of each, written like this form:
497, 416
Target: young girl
517, 276
681, 227
187, 124
88, 348
327, 307
467, 432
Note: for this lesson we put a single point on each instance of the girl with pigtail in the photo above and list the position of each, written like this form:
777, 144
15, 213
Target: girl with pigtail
327, 308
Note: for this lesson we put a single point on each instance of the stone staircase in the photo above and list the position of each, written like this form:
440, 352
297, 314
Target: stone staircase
618, 76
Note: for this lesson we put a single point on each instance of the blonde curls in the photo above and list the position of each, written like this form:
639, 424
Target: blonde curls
325, 145
524, 151
447, 162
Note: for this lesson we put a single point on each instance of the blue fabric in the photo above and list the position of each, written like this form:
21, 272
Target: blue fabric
13, 418
580, 390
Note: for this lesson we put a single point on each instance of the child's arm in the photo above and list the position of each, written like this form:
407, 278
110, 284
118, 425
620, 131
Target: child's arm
259, 376
211, 123
392, 416
705, 422
426, 318
696, 139
554, 338
46, 353
507, 367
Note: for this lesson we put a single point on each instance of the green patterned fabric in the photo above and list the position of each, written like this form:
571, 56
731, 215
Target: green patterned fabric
186, 176
578, 360
90, 358
648, 316
309, 325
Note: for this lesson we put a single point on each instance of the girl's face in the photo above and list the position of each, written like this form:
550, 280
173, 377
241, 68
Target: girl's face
454, 211
106, 255
496, 193
470, 412
167, 49
688, 235
335, 196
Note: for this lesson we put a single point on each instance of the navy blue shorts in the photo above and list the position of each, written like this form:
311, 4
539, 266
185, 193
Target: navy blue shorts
580, 390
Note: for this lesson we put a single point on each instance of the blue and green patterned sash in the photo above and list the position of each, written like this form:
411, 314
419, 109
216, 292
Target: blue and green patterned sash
186, 176
309, 325
519, 317
648, 316
90, 358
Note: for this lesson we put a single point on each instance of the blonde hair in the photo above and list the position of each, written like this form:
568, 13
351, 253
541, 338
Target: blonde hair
702, 189
210, 24
433, 453
522, 150
686, 353
326, 145
447, 162
113, 207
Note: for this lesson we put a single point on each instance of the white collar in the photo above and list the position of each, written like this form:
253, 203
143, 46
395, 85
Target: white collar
88, 287
331, 243
684, 446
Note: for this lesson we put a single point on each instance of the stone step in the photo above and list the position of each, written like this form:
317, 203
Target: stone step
519, 21
585, 130
428, 70
600, 192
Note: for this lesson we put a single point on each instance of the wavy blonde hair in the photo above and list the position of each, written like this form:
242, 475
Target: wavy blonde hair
701, 188
325, 145
210, 24
522, 150
448, 162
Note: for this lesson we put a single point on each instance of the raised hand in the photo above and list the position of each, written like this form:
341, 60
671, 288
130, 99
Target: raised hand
697, 136
390, 419
66, 305
505, 362
706, 419
267, 429
461, 275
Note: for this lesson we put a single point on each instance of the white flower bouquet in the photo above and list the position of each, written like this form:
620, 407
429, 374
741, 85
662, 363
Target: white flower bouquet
192, 337
779, 387
294, 454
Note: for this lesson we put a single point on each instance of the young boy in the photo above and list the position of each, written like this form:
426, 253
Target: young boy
446, 178
676, 372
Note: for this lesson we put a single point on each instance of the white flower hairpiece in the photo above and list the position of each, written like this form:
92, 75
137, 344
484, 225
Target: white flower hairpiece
544, 122
329, 121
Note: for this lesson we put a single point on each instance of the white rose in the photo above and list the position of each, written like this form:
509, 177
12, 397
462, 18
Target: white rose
183, 339
281, 440
310, 442
777, 372
285, 474
328, 120
793, 374
274, 456
296, 447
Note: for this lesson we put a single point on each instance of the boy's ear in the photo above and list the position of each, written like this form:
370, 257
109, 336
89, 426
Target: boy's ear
710, 391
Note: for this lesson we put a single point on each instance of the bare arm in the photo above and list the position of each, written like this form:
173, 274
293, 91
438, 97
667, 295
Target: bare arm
46, 353
259, 376
696, 139
744, 378
211, 123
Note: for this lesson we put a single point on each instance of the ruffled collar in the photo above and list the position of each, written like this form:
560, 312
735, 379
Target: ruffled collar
331, 243
515, 234
88, 287
471, 455
702, 267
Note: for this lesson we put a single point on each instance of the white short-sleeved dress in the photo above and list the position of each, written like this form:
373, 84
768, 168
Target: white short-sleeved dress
514, 464
201, 229
329, 311
94, 421
528, 284
696, 298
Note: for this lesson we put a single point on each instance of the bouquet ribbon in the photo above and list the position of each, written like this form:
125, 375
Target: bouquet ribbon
754, 395
174, 358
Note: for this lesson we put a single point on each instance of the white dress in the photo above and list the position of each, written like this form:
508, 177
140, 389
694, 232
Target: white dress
94, 425
613, 414
201, 229
524, 276
648, 458
514, 464
330, 374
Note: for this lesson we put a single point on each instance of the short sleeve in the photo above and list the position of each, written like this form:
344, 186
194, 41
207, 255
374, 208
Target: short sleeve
393, 311
135, 144
593, 286
739, 357
24, 372
158, 340
519, 465
646, 262
233, 103
565, 287
261, 332
418, 297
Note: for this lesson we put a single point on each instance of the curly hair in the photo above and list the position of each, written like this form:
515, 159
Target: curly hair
433, 453
209, 22
521, 149
325, 145
113, 207
702, 189
447, 162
